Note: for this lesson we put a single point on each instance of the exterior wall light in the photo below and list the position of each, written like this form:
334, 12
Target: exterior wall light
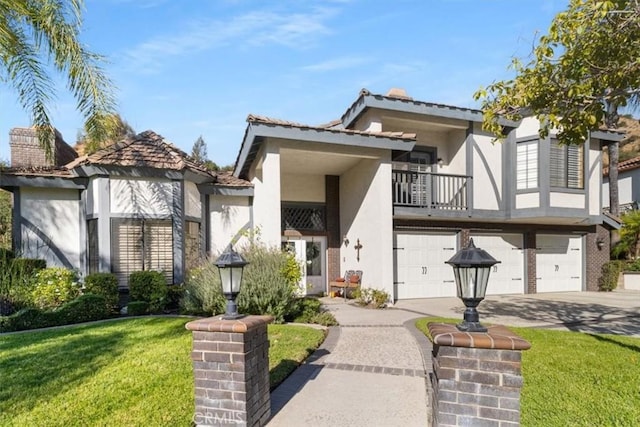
471, 268
345, 240
600, 243
230, 266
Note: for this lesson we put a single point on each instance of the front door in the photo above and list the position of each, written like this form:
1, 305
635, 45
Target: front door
311, 254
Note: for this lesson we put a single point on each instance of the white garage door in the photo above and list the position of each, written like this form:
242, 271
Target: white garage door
558, 263
420, 269
508, 276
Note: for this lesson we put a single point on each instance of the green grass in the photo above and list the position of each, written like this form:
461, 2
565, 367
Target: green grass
577, 379
130, 372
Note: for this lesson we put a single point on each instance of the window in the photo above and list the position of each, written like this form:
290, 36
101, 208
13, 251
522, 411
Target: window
304, 216
92, 245
192, 243
138, 245
527, 165
566, 165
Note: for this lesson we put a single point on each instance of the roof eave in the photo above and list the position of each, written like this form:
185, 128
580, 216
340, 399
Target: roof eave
256, 132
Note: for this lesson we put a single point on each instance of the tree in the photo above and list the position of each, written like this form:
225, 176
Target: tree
579, 75
199, 154
115, 129
36, 35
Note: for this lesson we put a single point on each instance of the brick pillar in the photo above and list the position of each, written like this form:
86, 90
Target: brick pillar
231, 370
476, 376
530, 254
334, 237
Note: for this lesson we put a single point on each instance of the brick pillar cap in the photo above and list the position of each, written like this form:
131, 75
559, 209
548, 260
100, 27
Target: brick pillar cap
218, 324
497, 337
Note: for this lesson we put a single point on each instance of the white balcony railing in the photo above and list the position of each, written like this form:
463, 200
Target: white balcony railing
431, 190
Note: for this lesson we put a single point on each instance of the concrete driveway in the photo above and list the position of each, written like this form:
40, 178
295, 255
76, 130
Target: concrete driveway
616, 312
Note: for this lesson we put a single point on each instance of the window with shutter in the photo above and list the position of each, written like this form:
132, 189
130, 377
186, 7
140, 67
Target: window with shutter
92, 245
192, 243
138, 245
527, 165
566, 165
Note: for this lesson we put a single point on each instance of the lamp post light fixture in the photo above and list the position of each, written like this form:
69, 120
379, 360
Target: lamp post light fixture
230, 265
471, 268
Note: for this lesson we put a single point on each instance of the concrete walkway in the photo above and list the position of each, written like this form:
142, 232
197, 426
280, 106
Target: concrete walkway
369, 371
373, 369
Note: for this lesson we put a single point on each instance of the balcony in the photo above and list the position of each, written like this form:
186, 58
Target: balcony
431, 191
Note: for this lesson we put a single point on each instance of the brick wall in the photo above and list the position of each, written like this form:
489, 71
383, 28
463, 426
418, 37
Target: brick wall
530, 258
27, 152
334, 236
231, 370
596, 258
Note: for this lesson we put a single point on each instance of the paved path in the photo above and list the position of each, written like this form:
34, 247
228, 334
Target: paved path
370, 371
373, 369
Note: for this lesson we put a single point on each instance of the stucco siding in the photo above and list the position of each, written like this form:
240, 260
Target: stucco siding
266, 203
528, 127
566, 200
303, 188
487, 173
366, 214
50, 226
594, 170
141, 196
625, 188
192, 200
527, 200
229, 216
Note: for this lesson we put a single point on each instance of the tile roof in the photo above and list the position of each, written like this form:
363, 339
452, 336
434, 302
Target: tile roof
44, 171
329, 127
625, 166
226, 178
147, 149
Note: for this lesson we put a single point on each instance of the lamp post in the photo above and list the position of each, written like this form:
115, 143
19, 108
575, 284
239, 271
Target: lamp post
230, 265
471, 268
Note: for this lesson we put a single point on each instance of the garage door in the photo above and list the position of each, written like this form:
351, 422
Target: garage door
420, 269
508, 276
558, 263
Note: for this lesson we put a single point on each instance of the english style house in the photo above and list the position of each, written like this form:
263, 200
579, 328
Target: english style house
393, 188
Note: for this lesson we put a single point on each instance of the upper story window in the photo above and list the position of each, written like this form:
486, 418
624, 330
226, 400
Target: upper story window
422, 159
527, 165
566, 165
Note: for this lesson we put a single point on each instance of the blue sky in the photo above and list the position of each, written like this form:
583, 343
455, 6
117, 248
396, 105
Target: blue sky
186, 68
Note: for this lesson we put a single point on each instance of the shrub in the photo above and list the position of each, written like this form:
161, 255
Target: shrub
268, 285
310, 311
17, 277
202, 292
608, 281
85, 308
27, 318
149, 286
137, 308
370, 297
54, 286
105, 284
174, 295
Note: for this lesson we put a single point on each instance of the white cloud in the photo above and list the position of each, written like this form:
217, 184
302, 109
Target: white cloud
294, 30
336, 64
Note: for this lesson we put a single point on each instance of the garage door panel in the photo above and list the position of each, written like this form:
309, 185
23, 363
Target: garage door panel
508, 276
421, 271
558, 263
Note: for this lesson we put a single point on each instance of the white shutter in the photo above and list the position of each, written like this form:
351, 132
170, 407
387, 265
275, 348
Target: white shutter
527, 165
158, 247
126, 248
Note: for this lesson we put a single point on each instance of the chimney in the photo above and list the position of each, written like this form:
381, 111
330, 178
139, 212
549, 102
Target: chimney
26, 150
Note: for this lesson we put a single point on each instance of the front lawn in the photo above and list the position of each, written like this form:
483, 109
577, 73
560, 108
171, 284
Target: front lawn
577, 379
130, 372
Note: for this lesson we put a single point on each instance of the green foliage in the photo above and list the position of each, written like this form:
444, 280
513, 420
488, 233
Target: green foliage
105, 284
202, 293
17, 277
310, 310
370, 297
629, 244
174, 295
268, 285
149, 286
580, 72
608, 281
85, 308
292, 271
54, 286
44, 35
5, 223
137, 308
